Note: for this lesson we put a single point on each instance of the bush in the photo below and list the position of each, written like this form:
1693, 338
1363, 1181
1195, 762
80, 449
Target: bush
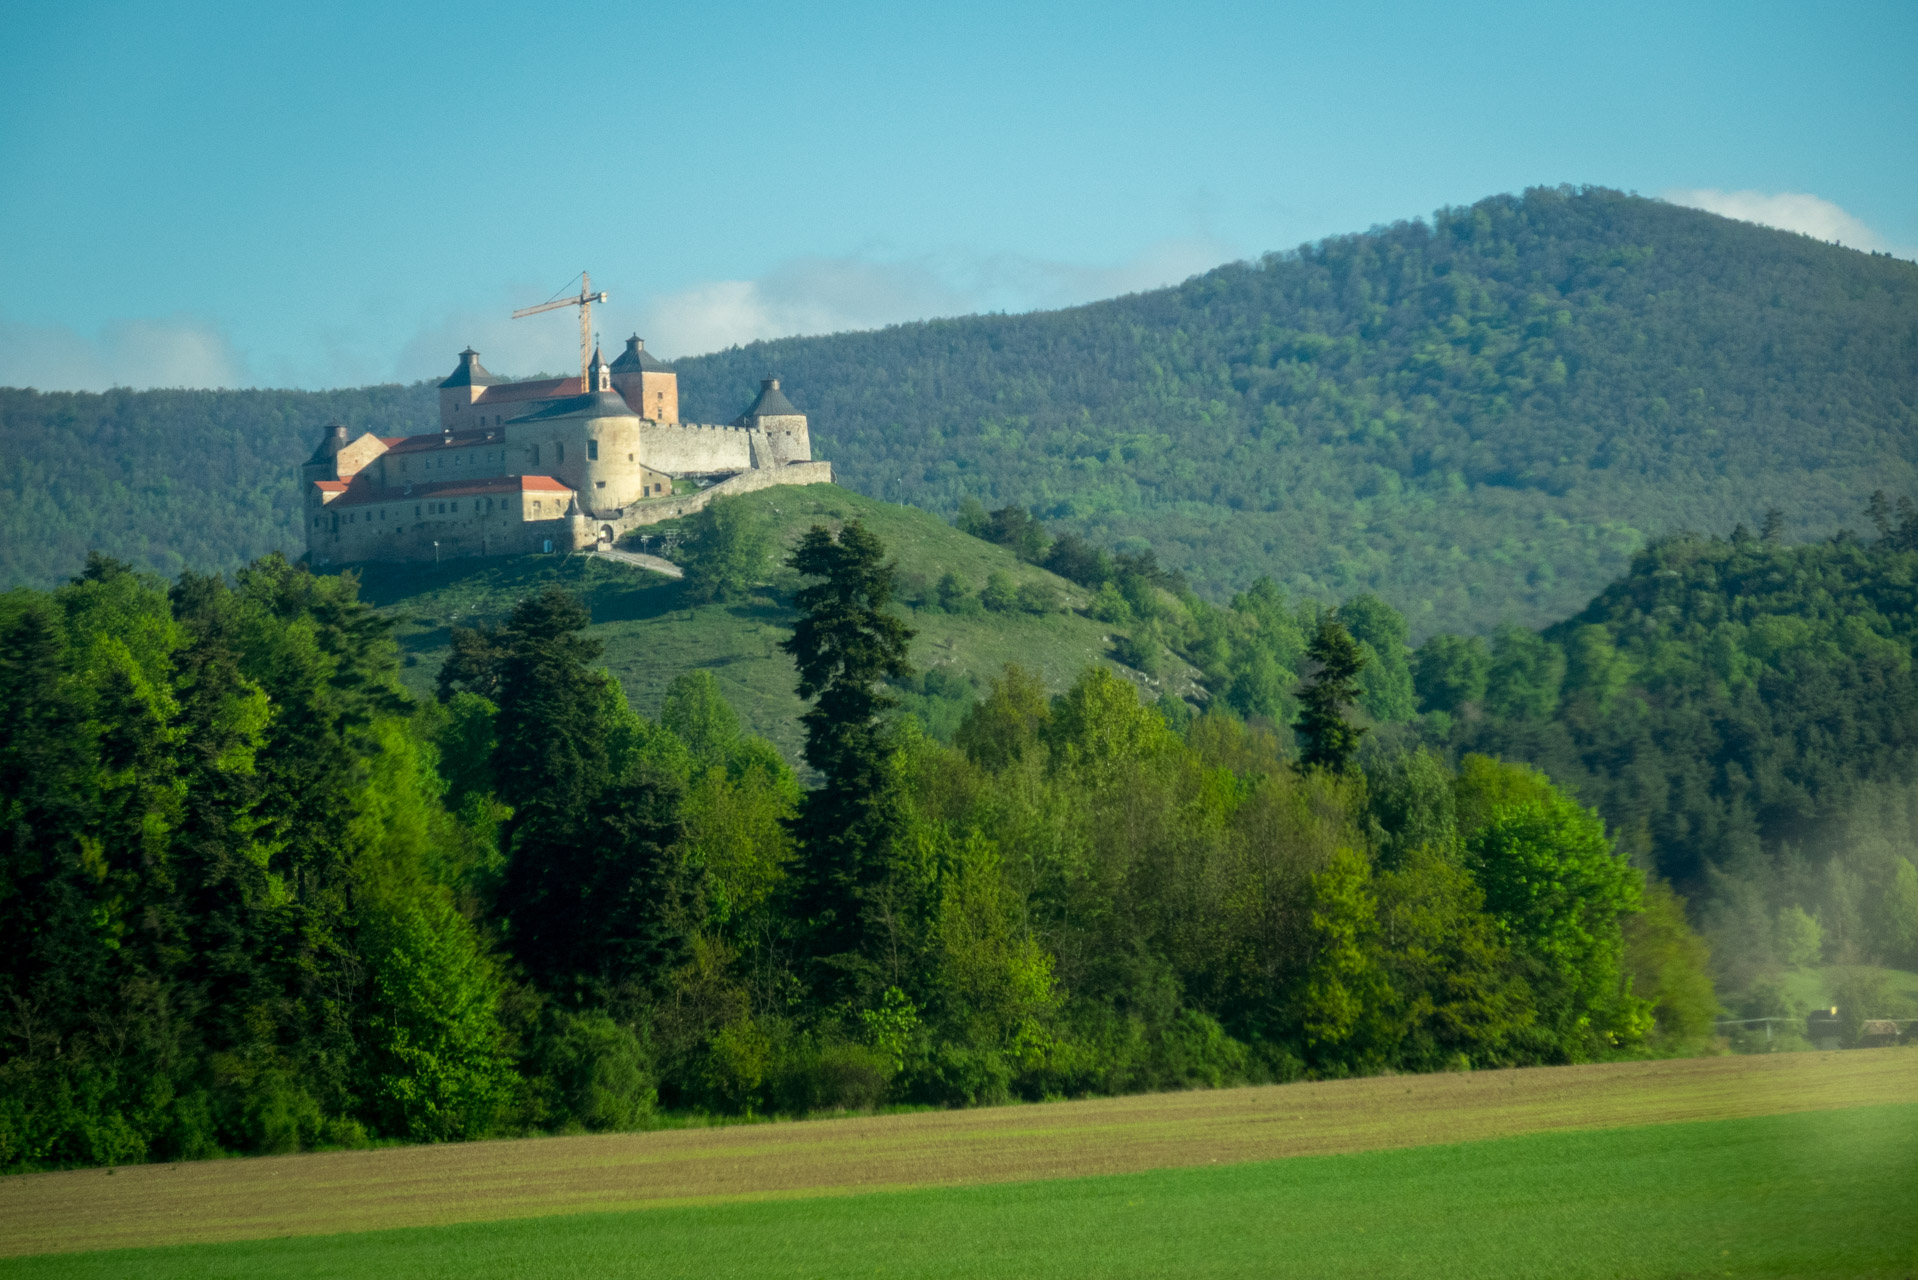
1141, 653
596, 1073
1000, 596
831, 1075
954, 596
1038, 596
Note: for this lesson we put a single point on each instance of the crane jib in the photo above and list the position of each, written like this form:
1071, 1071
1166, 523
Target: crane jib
584, 302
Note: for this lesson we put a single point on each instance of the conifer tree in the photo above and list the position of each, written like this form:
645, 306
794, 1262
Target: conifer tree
549, 761
1330, 739
844, 644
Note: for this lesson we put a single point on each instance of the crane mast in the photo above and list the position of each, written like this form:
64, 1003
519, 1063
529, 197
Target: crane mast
584, 302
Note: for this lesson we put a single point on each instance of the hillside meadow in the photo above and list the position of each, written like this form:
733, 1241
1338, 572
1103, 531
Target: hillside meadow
653, 633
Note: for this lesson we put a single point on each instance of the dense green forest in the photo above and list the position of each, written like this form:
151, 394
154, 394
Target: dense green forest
1479, 418
169, 480
257, 897
1743, 711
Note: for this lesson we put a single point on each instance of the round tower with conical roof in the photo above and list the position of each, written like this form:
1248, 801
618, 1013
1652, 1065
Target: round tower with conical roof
779, 429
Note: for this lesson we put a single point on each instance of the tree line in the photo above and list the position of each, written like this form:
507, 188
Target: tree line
256, 898
1742, 710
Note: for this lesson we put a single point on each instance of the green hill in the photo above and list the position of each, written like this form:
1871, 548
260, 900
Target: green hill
652, 633
1481, 417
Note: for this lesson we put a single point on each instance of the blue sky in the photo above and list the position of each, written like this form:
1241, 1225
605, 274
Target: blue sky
208, 194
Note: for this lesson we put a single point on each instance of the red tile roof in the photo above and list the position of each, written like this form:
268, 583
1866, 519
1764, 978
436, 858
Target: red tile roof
332, 486
366, 494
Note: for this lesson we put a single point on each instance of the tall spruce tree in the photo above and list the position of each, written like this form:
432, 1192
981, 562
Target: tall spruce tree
1331, 740
845, 644
550, 760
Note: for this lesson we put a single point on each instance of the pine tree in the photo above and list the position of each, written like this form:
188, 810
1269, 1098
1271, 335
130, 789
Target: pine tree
1330, 739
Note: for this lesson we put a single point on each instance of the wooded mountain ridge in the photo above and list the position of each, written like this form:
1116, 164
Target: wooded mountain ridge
1480, 417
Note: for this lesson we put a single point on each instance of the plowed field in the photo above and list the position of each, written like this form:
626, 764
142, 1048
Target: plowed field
478, 1182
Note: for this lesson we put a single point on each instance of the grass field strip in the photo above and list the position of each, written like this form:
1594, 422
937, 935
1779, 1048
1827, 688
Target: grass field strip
475, 1182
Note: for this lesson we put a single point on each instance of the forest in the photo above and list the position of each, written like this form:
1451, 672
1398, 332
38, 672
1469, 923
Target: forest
258, 898
1743, 711
1479, 417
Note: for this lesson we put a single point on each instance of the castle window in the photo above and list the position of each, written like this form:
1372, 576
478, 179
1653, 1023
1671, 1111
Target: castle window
536, 455
559, 453
599, 484
592, 452
416, 511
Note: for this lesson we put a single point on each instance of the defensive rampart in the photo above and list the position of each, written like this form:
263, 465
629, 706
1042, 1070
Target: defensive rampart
589, 532
698, 448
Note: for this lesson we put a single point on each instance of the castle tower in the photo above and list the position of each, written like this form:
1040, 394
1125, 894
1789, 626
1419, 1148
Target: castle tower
599, 375
779, 429
648, 384
460, 390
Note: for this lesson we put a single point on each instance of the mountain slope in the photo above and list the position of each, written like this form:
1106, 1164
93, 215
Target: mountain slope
1481, 418
652, 633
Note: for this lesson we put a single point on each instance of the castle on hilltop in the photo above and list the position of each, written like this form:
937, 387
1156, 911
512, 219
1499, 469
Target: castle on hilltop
543, 465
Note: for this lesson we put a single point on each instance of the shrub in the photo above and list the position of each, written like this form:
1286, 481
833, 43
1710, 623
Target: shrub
954, 596
831, 1075
1038, 597
1000, 596
597, 1073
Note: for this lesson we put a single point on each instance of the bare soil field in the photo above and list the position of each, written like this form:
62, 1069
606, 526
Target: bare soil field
484, 1181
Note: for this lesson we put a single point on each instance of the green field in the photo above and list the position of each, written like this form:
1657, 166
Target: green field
651, 634
1813, 1194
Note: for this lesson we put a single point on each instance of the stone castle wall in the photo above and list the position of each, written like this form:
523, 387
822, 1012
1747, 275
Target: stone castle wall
435, 528
696, 448
587, 531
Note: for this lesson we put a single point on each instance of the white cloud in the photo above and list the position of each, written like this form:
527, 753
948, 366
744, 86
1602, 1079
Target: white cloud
170, 352
1797, 211
829, 295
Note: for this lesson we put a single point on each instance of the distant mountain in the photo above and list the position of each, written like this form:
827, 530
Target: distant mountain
1480, 417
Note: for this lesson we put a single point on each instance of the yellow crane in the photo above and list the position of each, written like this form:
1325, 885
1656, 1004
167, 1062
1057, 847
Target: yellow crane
584, 302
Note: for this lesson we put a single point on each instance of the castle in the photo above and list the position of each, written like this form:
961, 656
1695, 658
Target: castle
541, 465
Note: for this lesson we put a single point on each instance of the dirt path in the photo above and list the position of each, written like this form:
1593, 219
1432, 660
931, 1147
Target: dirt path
472, 1182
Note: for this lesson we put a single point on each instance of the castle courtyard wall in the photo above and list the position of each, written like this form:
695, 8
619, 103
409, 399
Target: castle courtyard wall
696, 448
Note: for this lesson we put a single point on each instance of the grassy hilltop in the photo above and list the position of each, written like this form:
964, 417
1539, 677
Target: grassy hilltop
1480, 416
652, 633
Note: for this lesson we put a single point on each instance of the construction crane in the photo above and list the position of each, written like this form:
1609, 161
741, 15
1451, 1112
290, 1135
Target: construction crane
584, 302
